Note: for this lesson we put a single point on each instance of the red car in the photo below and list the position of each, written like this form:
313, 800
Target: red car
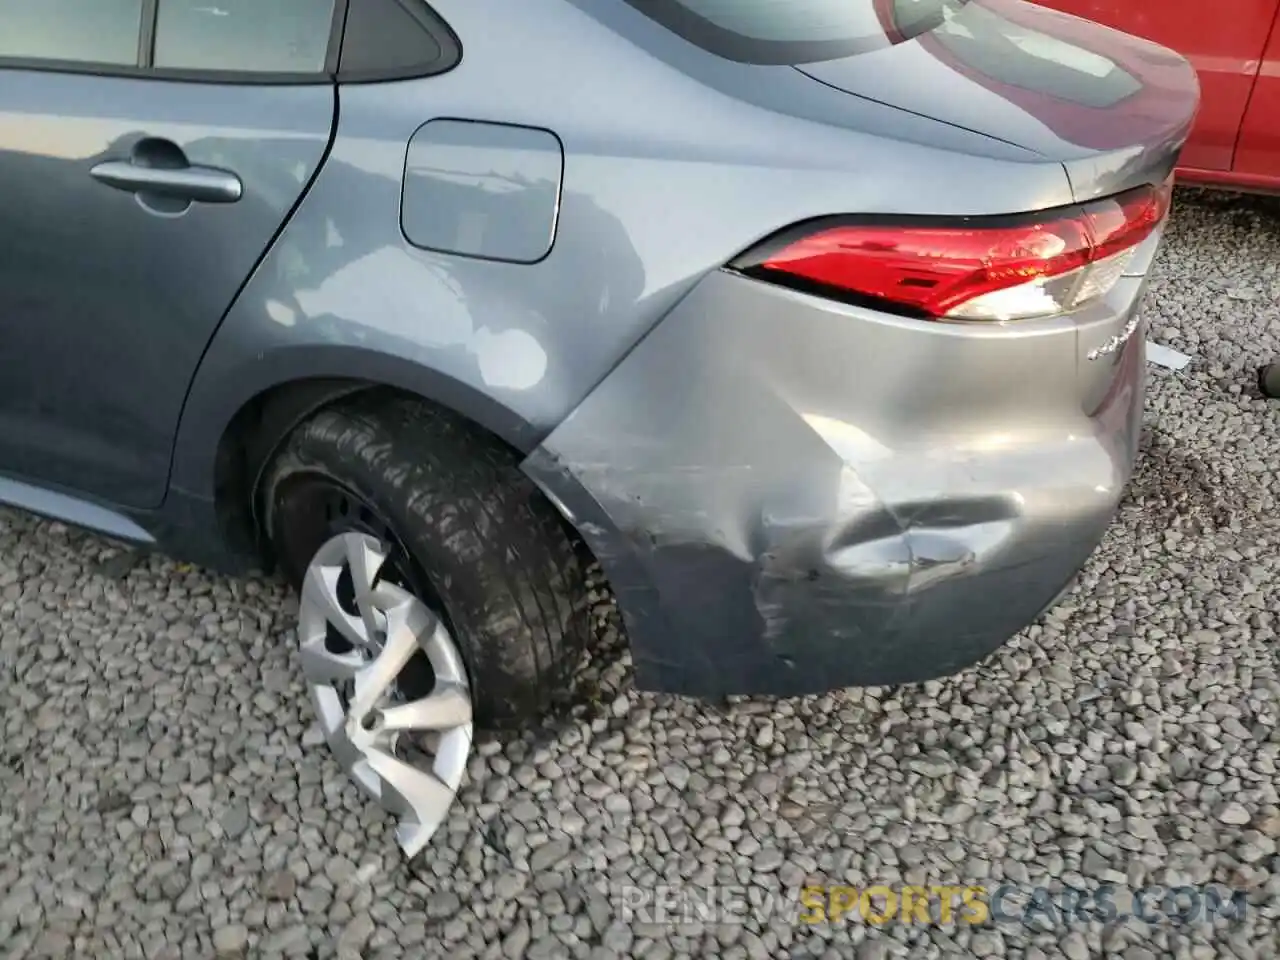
1236, 50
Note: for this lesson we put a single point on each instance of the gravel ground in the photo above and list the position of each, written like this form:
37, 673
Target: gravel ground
161, 796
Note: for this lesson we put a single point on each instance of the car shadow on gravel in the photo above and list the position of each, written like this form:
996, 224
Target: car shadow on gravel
1241, 209
1175, 489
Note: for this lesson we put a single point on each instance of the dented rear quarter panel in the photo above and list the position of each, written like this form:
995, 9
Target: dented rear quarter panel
790, 495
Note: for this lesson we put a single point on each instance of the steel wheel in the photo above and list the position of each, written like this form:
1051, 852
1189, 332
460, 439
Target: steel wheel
363, 637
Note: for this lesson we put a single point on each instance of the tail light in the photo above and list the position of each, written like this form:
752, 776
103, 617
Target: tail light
975, 268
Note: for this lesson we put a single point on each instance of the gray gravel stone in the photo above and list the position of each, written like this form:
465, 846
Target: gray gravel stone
231, 940
1234, 814
356, 934
1124, 772
1075, 946
235, 821
516, 942
290, 940
279, 885
549, 854
767, 860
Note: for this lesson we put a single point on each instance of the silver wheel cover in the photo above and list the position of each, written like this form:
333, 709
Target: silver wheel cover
359, 705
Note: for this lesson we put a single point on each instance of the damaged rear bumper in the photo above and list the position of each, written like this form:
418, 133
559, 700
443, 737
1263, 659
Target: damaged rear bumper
789, 495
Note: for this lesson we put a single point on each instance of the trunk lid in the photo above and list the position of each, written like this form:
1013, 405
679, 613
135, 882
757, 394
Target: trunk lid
1113, 109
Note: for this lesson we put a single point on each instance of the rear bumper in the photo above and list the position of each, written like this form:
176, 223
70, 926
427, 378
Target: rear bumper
790, 496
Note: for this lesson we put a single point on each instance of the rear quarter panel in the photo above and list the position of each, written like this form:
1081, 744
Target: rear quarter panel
674, 162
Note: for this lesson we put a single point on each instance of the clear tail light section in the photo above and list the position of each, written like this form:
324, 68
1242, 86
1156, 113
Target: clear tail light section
975, 268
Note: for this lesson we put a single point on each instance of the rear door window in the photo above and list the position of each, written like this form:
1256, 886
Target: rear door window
244, 36
795, 31
71, 31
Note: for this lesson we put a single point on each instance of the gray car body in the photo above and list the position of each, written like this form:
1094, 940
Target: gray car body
536, 239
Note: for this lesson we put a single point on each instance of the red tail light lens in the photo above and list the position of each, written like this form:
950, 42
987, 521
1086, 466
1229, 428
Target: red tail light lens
973, 269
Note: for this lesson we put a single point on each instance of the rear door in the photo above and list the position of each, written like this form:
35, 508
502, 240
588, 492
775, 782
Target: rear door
1258, 151
1224, 43
150, 150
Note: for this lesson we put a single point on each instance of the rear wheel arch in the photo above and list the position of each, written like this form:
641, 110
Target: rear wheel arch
258, 428
248, 441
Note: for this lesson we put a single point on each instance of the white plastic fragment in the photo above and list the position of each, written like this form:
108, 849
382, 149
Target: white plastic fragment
1166, 356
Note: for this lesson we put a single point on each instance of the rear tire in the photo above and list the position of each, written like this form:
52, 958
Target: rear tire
485, 549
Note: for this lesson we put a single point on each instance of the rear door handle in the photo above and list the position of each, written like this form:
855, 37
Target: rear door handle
198, 184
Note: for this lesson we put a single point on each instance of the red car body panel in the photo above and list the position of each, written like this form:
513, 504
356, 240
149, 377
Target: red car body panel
1258, 149
1236, 138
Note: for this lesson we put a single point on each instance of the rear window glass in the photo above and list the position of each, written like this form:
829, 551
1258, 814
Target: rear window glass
796, 31
1010, 53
